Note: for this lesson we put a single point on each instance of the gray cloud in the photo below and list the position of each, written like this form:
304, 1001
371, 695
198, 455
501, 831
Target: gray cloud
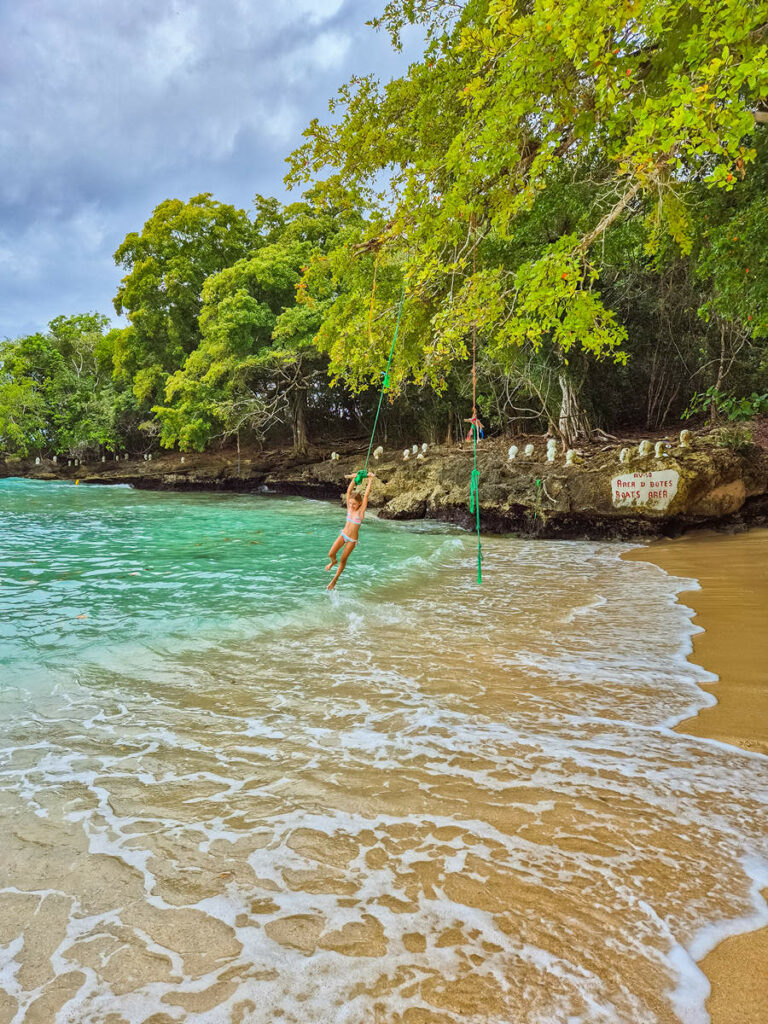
107, 107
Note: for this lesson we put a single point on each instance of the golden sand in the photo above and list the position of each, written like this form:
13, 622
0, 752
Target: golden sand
732, 608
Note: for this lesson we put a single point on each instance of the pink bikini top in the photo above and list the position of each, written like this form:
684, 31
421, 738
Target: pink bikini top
354, 519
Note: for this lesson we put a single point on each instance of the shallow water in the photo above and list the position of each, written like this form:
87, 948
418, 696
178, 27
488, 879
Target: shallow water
234, 797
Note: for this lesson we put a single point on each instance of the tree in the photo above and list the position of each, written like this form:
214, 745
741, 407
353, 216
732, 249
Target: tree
57, 392
226, 384
730, 264
641, 100
22, 415
256, 362
167, 263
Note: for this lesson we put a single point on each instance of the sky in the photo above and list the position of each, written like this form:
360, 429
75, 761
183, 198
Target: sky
108, 107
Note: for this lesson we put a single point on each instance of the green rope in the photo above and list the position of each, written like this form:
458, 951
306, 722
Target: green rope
538, 499
363, 473
474, 503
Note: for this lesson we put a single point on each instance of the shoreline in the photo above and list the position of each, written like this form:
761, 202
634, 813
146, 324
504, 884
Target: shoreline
684, 487
730, 607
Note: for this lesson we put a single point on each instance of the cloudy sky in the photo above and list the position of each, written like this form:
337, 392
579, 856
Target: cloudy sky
107, 107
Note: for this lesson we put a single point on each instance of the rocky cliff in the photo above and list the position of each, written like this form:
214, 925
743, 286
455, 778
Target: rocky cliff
597, 496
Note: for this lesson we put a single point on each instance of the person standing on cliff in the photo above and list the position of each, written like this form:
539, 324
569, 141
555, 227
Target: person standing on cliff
347, 539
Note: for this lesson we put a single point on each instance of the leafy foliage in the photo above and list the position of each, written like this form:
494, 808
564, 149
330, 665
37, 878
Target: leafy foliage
733, 407
638, 100
573, 189
56, 389
167, 263
256, 353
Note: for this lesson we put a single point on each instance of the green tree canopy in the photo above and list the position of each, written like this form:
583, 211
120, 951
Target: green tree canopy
256, 357
633, 102
57, 393
167, 263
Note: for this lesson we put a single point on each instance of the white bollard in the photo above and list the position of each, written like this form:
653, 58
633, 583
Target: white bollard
570, 455
182, 460
406, 453
55, 460
551, 449
685, 438
528, 451
644, 448
658, 450
624, 455
37, 460
415, 449
424, 447
512, 453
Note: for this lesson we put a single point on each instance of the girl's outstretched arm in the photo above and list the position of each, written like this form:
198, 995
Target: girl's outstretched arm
351, 485
368, 487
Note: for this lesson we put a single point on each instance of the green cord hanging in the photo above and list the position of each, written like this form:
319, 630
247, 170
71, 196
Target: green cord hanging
538, 499
474, 483
474, 503
363, 473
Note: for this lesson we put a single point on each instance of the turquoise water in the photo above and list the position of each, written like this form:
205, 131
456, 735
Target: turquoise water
235, 798
112, 574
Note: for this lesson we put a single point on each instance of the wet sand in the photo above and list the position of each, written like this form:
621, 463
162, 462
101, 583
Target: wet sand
732, 609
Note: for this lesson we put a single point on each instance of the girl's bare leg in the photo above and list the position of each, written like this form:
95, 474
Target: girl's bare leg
337, 545
342, 564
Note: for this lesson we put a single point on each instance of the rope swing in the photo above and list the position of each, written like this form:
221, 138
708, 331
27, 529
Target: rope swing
474, 483
474, 486
363, 473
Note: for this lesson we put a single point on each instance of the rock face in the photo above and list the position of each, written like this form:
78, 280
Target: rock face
597, 497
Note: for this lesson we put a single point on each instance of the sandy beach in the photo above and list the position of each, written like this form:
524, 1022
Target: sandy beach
731, 607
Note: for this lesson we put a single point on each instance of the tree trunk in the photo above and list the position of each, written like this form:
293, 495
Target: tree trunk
299, 420
572, 423
449, 430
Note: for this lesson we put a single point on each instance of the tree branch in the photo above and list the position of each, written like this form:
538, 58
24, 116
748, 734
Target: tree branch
610, 217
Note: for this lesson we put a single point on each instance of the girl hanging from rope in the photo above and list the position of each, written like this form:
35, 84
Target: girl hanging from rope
347, 539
